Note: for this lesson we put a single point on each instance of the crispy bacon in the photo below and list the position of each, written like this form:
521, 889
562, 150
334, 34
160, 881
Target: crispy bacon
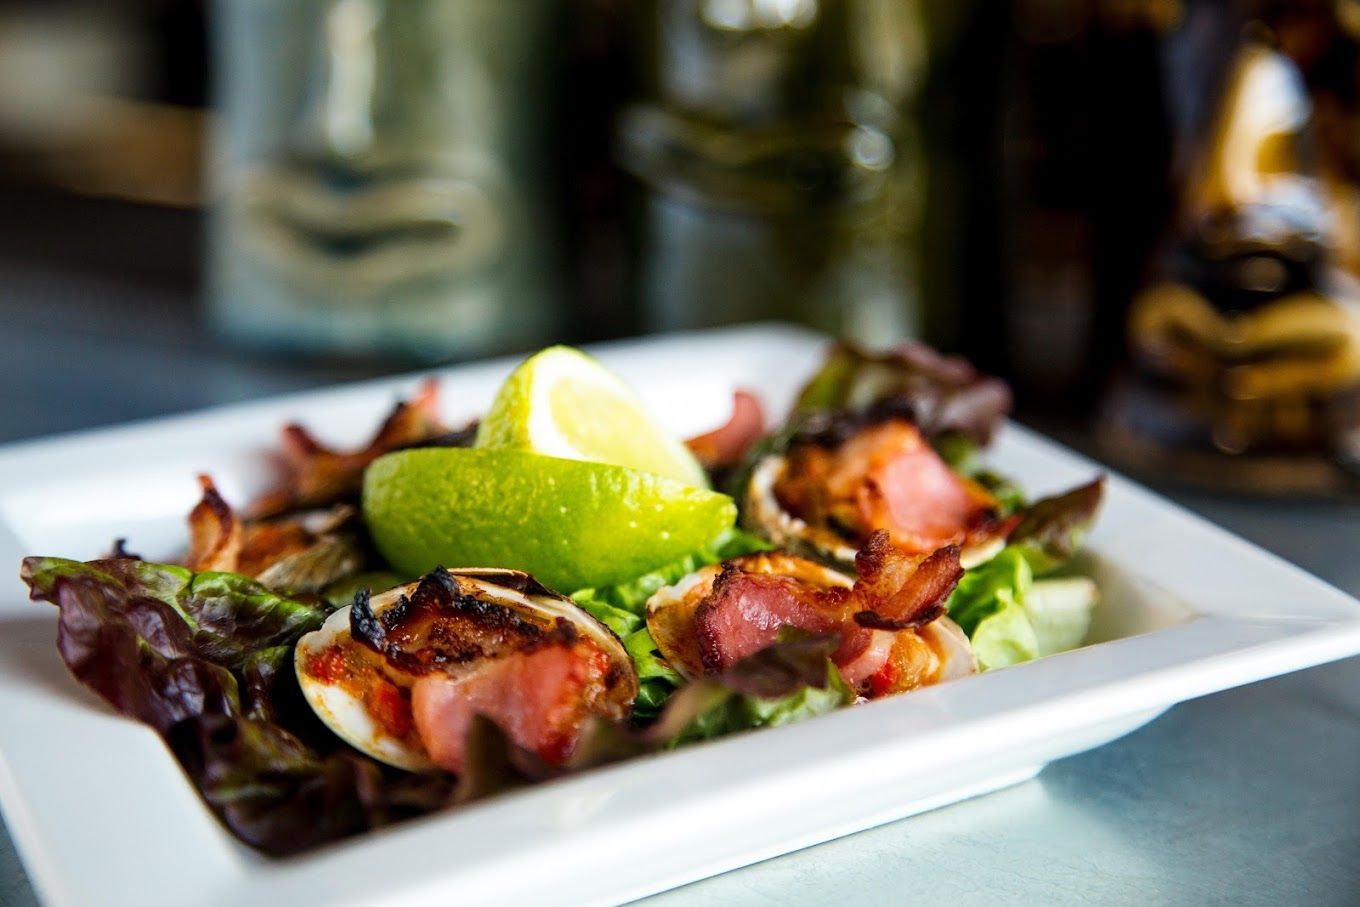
215, 532
753, 597
727, 445
317, 475
898, 592
888, 477
437, 628
293, 555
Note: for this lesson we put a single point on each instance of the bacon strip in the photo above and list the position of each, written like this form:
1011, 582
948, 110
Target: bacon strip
317, 475
898, 593
745, 611
746, 607
215, 533
728, 444
292, 555
540, 699
888, 477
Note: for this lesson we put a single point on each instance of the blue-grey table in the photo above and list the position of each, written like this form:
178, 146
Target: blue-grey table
1249, 796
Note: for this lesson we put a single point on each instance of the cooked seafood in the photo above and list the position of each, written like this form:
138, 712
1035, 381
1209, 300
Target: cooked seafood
401, 675
828, 495
893, 635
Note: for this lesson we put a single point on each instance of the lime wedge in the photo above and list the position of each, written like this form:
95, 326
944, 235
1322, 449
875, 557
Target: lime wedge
563, 403
572, 524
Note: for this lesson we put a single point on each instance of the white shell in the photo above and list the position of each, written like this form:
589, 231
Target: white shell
781, 527
343, 712
951, 645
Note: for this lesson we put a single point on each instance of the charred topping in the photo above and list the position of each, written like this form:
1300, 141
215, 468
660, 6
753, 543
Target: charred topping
886, 576
439, 625
364, 624
516, 580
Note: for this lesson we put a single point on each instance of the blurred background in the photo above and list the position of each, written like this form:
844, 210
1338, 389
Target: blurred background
1145, 214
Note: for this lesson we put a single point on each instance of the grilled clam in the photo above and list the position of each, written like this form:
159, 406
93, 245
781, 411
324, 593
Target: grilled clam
372, 670
892, 633
826, 494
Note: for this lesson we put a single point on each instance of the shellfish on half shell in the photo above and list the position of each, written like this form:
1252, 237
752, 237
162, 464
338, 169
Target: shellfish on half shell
358, 670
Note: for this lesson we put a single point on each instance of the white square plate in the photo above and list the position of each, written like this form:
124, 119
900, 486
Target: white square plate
102, 814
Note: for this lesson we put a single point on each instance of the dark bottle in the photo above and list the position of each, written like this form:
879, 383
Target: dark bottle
775, 164
1051, 122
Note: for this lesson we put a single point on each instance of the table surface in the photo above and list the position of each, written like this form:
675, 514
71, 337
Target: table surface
1252, 795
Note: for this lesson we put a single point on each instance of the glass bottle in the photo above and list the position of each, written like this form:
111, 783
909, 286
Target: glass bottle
775, 164
377, 176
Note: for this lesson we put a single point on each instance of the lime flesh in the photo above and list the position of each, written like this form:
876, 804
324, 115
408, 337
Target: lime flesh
563, 403
570, 523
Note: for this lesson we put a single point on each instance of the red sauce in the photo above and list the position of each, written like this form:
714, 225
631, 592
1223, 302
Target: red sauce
389, 708
351, 669
329, 666
883, 682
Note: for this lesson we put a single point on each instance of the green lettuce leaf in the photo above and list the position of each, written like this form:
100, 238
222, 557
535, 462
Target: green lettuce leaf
988, 604
1010, 617
622, 608
789, 681
657, 680
1006, 636
229, 617
1059, 609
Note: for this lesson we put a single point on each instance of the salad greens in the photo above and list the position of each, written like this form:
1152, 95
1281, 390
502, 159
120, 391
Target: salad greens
1008, 614
228, 617
941, 394
622, 608
206, 660
783, 683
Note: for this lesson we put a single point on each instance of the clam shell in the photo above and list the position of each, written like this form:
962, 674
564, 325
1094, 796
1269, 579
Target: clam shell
348, 716
670, 610
764, 515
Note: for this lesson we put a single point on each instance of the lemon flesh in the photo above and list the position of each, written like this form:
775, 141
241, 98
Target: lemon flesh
563, 403
570, 523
